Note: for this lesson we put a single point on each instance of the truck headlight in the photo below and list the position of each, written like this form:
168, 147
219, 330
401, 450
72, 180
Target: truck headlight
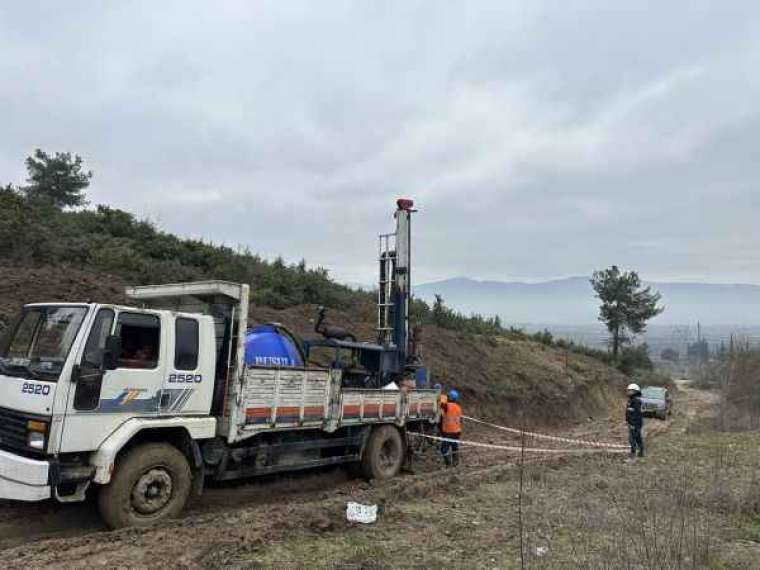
36, 433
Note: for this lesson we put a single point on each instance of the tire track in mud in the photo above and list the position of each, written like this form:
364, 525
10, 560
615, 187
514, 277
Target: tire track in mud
24, 522
21, 522
51, 523
215, 539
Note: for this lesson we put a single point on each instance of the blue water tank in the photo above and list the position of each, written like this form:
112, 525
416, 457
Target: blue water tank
266, 345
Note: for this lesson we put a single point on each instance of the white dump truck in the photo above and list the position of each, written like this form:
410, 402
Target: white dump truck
143, 403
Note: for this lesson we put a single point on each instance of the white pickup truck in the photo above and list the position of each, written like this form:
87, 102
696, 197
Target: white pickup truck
145, 402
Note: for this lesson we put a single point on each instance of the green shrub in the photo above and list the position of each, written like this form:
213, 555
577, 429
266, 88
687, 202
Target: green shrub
445, 317
633, 358
544, 337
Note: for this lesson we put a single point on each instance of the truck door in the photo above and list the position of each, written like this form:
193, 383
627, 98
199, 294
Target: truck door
103, 400
190, 368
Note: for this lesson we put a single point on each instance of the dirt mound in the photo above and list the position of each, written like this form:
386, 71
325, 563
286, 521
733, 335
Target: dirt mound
510, 379
21, 284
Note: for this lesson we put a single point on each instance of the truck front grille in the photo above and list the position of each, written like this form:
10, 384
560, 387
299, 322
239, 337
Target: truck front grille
13, 430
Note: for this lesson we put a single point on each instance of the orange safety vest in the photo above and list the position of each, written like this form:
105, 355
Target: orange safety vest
451, 421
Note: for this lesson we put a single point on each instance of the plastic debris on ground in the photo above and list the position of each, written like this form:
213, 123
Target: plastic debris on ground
365, 514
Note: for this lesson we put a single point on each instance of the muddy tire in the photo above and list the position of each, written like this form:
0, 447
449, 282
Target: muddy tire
150, 483
384, 453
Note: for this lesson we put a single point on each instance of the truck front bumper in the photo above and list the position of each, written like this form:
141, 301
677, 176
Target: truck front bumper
23, 479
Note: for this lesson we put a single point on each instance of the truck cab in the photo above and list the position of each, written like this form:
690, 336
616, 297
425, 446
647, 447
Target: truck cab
72, 375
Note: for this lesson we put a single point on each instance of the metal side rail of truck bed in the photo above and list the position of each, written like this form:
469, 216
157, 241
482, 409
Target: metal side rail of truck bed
311, 398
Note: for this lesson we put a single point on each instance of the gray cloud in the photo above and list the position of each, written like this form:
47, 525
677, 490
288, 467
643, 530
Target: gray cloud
540, 139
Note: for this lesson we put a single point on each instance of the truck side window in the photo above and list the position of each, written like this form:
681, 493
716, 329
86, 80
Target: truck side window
96, 342
186, 344
87, 394
140, 340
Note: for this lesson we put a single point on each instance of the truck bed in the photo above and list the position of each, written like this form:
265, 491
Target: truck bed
302, 398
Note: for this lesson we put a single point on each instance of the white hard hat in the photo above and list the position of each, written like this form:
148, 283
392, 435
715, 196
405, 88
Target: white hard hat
634, 387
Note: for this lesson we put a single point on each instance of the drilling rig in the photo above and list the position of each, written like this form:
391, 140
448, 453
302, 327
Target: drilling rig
393, 357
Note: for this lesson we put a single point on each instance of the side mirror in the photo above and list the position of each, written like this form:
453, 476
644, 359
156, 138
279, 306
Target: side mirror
112, 352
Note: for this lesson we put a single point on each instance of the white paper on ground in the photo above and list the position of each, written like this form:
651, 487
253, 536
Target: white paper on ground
356, 512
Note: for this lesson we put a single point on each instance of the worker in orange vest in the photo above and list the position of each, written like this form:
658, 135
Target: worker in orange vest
451, 429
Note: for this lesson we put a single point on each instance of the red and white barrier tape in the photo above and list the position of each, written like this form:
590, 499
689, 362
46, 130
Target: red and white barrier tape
515, 448
549, 437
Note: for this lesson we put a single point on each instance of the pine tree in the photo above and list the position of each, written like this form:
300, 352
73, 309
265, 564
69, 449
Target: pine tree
58, 180
626, 306
439, 311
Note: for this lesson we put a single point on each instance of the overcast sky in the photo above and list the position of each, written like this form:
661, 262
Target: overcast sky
539, 139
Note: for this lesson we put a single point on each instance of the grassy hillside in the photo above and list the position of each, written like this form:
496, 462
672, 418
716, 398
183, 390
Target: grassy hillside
114, 241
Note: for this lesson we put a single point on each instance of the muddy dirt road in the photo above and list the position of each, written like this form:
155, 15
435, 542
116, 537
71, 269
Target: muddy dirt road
236, 522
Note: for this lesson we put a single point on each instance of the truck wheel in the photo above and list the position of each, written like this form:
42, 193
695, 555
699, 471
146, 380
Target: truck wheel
151, 482
384, 454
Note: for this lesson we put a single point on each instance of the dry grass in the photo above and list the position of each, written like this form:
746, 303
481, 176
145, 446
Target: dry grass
694, 502
736, 378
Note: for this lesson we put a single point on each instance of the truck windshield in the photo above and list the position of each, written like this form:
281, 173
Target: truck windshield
653, 393
37, 345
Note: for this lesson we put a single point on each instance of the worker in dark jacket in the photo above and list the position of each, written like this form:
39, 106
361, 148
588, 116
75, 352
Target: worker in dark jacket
634, 419
451, 428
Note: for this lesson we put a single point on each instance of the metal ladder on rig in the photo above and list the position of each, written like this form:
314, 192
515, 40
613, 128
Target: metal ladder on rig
385, 307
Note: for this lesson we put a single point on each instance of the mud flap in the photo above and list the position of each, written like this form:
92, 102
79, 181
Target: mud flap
407, 467
199, 477
198, 468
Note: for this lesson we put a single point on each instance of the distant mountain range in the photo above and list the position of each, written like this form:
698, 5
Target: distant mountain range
571, 301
